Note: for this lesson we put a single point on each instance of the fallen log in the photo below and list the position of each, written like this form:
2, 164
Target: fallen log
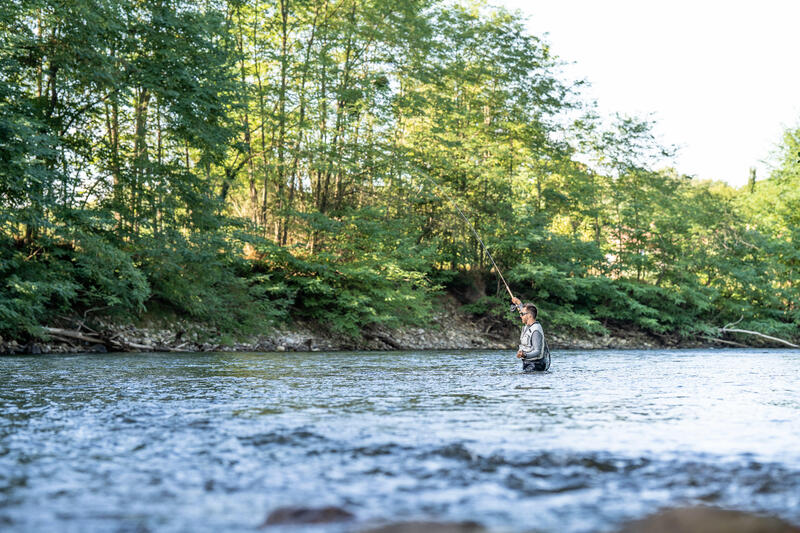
75, 335
69, 341
748, 332
715, 339
386, 339
165, 348
107, 342
136, 345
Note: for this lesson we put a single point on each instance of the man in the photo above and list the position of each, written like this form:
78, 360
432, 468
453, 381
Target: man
533, 348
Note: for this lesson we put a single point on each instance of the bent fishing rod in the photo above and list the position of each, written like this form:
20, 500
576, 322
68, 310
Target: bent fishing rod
475, 232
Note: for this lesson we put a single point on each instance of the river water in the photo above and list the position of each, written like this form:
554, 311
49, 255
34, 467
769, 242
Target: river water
214, 442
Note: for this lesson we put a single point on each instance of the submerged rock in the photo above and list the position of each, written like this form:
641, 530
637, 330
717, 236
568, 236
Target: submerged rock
708, 520
429, 527
307, 515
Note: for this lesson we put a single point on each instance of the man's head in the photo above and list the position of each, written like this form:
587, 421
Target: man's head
528, 314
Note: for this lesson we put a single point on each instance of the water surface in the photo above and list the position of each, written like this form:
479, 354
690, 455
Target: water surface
214, 442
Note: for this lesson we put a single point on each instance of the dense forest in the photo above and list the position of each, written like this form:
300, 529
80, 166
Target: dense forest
247, 163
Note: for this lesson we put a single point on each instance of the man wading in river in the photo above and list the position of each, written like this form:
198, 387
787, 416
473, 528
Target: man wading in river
533, 348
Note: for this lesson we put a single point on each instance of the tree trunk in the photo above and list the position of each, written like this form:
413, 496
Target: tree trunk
246, 126
300, 126
262, 216
140, 152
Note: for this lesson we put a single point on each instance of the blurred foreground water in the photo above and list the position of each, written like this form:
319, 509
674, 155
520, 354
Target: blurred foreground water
214, 442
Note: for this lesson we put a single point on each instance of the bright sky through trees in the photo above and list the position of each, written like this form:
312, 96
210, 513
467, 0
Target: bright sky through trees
719, 77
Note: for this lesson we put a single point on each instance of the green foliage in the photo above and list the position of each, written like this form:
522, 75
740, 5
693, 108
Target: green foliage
248, 163
345, 298
105, 271
487, 305
205, 278
33, 290
75, 269
375, 277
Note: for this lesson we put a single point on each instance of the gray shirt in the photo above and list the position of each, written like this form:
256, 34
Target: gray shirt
531, 342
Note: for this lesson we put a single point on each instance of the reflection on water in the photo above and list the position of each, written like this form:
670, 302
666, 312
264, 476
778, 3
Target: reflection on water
209, 442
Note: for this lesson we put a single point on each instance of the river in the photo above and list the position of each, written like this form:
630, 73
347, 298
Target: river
214, 442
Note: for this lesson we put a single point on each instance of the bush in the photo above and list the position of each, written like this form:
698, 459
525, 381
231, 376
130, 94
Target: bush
71, 269
373, 276
205, 277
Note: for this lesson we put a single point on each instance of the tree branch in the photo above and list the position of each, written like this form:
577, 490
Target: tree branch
726, 326
724, 341
776, 339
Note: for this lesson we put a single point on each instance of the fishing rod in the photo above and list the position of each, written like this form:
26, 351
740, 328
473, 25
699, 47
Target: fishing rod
485, 249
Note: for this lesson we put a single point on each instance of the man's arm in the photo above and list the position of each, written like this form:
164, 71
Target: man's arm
537, 345
518, 304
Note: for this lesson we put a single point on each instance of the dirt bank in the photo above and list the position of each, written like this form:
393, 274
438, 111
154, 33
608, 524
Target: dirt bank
449, 329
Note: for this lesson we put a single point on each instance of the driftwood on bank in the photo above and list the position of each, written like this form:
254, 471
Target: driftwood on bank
723, 341
748, 332
728, 329
108, 342
386, 339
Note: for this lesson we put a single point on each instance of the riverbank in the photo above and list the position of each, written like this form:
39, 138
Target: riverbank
450, 328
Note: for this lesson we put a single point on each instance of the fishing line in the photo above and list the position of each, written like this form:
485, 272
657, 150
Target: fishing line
474, 231
485, 249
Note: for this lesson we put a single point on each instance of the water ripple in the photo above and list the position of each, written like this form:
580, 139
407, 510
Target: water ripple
210, 442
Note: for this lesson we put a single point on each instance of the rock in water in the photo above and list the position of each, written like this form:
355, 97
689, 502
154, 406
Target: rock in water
708, 520
33, 348
307, 515
429, 527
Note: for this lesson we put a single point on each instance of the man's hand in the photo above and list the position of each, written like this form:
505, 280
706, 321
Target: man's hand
520, 354
516, 301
